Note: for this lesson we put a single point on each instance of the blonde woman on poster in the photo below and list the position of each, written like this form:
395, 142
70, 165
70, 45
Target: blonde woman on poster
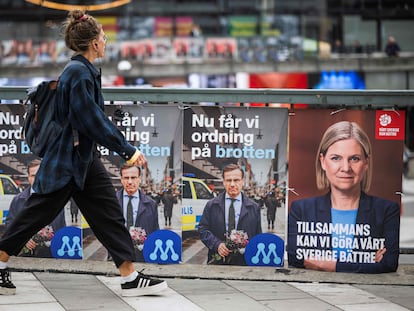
345, 230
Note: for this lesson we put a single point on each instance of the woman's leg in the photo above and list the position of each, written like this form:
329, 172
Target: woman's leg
39, 211
101, 209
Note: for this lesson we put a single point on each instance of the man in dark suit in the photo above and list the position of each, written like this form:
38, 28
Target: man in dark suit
32, 247
139, 210
216, 223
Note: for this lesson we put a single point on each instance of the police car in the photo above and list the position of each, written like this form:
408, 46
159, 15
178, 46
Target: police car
8, 189
195, 194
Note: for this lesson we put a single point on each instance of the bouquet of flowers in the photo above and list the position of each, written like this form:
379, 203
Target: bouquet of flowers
41, 238
138, 236
236, 243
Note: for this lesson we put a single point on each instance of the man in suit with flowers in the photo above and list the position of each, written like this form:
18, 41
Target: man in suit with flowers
230, 210
34, 247
139, 210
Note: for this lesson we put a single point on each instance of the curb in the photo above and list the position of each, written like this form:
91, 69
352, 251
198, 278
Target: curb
403, 276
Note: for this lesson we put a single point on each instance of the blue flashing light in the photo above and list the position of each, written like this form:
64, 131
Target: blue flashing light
342, 80
189, 175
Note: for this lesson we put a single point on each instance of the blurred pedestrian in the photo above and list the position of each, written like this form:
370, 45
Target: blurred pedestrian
357, 47
272, 203
168, 200
392, 48
337, 47
74, 211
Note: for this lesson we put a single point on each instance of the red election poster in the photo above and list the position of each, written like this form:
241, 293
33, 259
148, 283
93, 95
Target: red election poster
345, 183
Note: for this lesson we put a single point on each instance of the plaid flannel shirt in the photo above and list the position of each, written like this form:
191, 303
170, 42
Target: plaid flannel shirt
80, 102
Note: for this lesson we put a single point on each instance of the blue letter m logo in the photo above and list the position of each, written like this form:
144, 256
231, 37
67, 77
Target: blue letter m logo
265, 249
67, 243
163, 246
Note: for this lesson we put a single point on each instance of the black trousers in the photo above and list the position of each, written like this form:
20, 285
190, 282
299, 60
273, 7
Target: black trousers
98, 204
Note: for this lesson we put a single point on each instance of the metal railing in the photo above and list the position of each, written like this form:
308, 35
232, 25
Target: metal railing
340, 98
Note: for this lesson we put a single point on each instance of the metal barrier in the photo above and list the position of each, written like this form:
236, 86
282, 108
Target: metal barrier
339, 98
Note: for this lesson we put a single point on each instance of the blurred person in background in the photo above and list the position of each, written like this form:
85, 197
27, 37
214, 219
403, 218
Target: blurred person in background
392, 48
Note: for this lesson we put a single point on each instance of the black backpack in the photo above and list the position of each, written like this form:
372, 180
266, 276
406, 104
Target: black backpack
39, 126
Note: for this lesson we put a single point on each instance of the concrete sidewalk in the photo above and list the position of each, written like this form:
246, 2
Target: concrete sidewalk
50, 284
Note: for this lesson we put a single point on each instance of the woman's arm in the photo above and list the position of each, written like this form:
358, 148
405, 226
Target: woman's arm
387, 226
293, 217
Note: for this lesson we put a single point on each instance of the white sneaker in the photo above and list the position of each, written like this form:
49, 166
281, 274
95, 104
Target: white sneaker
143, 285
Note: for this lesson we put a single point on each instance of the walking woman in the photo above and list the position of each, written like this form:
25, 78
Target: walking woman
71, 166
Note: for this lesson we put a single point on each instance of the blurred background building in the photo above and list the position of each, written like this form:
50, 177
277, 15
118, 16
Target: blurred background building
329, 44
368, 21
250, 30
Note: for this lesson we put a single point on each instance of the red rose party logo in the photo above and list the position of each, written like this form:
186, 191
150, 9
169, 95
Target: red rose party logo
390, 125
385, 119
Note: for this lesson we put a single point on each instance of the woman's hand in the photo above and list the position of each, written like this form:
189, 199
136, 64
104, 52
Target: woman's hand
380, 254
141, 160
320, 265
137, 159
